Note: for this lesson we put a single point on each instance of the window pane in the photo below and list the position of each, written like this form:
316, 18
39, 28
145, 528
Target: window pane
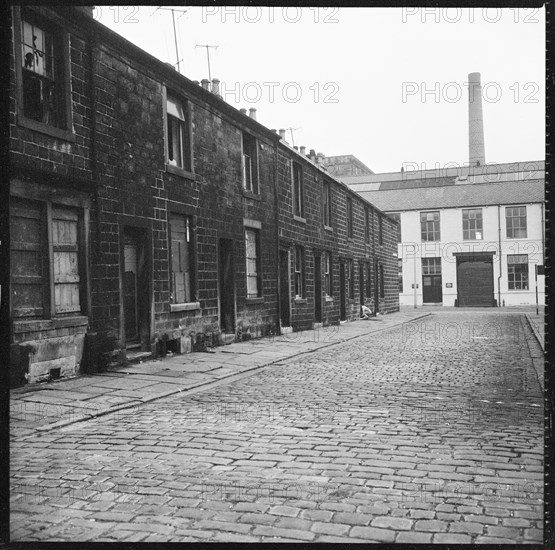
175, 108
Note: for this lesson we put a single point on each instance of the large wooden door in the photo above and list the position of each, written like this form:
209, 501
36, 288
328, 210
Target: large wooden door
226, 286
475, 281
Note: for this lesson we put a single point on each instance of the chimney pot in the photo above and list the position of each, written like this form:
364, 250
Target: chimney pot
205, 83
476, 149
303, 150
196, 82
243, 111
282, 133
312, 155
296, 147
252, 113
216, 86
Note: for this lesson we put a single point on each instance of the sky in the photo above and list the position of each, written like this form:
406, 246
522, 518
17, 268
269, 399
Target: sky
387, 85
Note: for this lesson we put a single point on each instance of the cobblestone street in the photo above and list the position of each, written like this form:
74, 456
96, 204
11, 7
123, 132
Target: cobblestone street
428, 432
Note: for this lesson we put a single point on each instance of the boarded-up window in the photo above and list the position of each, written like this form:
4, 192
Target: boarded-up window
45, 275
65, 254
29, 266
182, 257
253, 262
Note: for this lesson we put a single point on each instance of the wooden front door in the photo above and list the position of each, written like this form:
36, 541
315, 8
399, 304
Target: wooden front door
342, 293
226, 286
136, 290
361, 283
432, 292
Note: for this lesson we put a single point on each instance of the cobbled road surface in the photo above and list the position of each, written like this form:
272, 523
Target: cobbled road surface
429, 432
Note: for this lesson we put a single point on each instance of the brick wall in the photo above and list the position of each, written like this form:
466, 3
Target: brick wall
114, 166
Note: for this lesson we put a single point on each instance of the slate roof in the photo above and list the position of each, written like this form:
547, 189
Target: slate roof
456, 196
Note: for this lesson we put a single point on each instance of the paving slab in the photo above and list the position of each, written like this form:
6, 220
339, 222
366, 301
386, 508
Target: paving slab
150, 380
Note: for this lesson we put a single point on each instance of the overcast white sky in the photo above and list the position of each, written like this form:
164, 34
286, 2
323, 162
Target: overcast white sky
384, 84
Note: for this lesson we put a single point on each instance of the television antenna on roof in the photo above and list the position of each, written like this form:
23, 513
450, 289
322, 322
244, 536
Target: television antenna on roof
173, 10
207, 46
291, 130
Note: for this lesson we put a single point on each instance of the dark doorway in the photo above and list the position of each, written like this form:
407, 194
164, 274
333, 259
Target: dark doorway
432, 292
226, 286
284, 297
376, 288
342, 307
136, 290
318, 289
361, 282
475, 280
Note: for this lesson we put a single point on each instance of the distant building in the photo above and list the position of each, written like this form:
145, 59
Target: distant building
469, 236
344, 165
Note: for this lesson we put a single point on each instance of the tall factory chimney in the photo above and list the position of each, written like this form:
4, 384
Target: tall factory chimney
476, 151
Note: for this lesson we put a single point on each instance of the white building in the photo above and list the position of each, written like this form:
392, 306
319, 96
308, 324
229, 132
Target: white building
470, 236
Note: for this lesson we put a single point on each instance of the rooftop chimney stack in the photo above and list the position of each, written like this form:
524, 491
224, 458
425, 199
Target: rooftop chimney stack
476, 150
303, 150
313, 155
282, 134
252, 113
216, 87
243, 111
205, 83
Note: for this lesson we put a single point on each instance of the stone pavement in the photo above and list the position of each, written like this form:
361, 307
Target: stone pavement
51, 405
430, 431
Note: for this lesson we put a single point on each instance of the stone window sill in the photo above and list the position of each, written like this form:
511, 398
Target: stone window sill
299, 219
35, 325
328, 228
255, 300
180, 172
329, 299
250, 195
190, 306
300, 301
66, 135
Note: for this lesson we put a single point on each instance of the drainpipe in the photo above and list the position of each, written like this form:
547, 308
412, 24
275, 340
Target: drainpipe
543, 234
500, 256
